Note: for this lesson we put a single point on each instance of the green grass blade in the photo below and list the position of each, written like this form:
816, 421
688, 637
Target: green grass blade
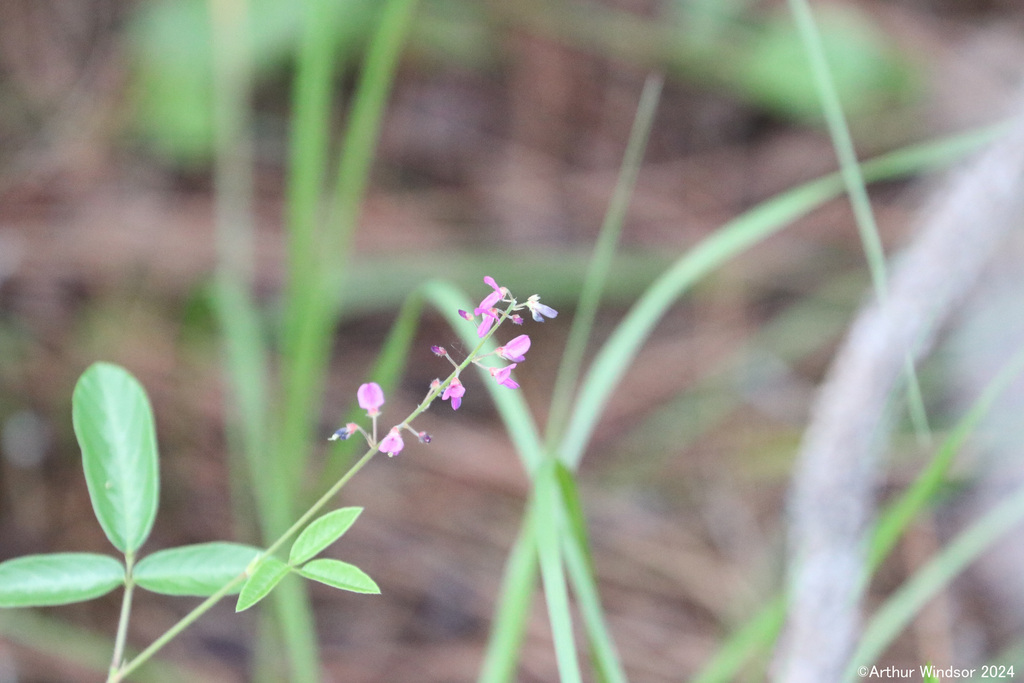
761, 630
601, 261
514, 602
311, 340
580, 568
548, 504
80, 647
556, 592
244, 345
853, 180
897, 517
614, 358
898, 611
842, 142
305, 304
757, 635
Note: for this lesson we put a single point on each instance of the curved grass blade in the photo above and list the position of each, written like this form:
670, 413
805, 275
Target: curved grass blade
57, 579
763, 628
114, 425
614, 358
897, 612
199, 570
509, 624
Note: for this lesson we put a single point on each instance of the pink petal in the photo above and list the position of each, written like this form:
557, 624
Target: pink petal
516, 349
371, 398
392, 443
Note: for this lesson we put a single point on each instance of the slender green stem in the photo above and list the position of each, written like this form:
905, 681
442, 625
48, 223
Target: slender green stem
126, 610
182, 624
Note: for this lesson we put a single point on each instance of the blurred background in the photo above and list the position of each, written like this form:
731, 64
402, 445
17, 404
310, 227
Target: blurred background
499, 150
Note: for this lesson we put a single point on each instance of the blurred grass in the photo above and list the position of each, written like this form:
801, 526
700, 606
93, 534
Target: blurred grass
372, 285
755, 57
614, 358
279, 431
757, 635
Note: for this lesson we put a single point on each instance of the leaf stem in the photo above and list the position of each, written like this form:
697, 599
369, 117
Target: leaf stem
122, 623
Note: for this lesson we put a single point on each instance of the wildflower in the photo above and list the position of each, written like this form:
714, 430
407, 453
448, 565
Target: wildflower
516, 319
392, 443
516, 349
539, 310
454, 391
501, 376
494, 297
371, 398
489, 316
464, 314
345, 432
423, 437
438, 350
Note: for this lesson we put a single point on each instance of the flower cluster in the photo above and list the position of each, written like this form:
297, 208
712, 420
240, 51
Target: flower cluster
491, 315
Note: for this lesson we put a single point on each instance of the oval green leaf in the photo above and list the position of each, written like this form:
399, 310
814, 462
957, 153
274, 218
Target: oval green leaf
114, 426
339, 574
267, 574
200, 570
57, 579
321, 533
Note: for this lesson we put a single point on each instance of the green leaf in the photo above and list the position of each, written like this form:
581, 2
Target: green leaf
57, 579
339, 574
267, 574
200, 569
321, 533
114, 425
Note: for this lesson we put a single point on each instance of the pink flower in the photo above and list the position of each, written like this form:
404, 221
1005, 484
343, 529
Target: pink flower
371, 398
392, 443
454, 391
501, 376
494, 297
490, 315
516, 349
